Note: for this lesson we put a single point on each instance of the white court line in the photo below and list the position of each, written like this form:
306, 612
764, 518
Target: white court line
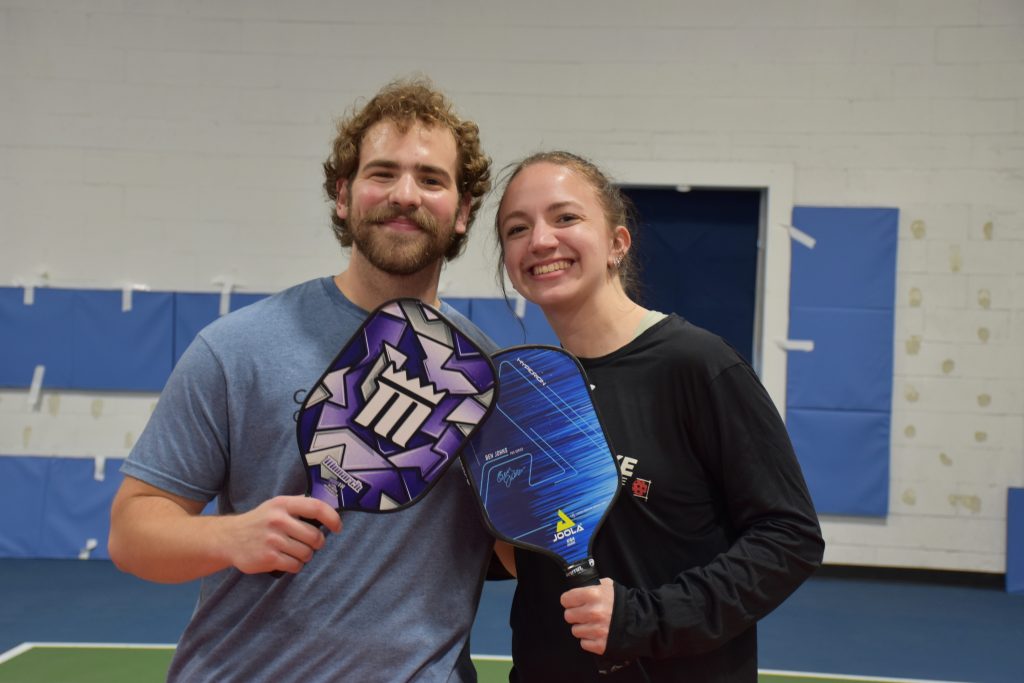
15, 651
850, 677
25, 647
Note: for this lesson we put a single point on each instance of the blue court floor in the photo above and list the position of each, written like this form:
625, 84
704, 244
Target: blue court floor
842, 621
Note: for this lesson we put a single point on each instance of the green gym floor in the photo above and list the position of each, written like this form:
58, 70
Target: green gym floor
844, 624
108, 663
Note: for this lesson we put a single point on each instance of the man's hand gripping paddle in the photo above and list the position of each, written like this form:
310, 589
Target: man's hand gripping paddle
392, 411
541, 464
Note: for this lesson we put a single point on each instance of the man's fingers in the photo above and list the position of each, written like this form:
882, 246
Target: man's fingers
288, 564
316, 510
291, 554
330, 518
300, 550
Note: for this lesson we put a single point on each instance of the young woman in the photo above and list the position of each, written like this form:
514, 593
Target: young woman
713, 527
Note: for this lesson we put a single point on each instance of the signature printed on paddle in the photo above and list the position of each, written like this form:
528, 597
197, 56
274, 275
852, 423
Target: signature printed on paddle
509, 475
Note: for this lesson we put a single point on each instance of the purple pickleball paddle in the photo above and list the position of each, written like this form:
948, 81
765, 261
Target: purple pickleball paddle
393, 410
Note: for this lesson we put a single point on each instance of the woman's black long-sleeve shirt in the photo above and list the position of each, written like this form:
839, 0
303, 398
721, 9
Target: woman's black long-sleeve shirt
712, 529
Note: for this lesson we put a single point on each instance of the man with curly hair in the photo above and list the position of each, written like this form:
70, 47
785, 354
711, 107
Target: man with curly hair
389, 597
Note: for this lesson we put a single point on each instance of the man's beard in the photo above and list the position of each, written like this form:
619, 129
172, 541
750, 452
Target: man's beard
400, 253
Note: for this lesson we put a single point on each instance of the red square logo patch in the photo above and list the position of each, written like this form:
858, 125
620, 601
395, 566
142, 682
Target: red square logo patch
641, 488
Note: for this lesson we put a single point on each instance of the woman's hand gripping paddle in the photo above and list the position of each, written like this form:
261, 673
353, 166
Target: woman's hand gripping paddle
541, 464
392, 411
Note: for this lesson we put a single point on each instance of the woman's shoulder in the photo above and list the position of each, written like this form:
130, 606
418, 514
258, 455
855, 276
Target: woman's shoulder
688, 345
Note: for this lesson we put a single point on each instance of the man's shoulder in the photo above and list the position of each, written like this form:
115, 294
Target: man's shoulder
270, 313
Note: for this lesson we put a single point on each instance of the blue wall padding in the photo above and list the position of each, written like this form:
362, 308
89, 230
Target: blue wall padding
851, 365
77, 507
51, 506
499, 322
85, 340
117, 350
23, 486
39, 334
195, 310
839, 396
460, 305
840, 456
855, 248
1015, 540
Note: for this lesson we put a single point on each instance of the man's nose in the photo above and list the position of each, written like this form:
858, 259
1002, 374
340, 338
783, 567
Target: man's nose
405, 193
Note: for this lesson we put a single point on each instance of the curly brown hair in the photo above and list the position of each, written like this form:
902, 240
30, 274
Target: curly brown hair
406, 102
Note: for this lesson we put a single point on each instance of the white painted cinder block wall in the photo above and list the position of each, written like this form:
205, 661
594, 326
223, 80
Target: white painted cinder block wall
175, 143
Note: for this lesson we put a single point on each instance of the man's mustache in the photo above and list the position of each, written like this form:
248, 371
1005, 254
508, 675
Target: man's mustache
422, 218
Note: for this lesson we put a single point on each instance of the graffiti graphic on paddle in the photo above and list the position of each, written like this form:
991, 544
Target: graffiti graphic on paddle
393, 409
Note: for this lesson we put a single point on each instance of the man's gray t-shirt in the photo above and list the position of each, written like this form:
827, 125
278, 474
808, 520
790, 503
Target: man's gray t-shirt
390, 598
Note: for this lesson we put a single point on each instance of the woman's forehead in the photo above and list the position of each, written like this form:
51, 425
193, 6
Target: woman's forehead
547, 181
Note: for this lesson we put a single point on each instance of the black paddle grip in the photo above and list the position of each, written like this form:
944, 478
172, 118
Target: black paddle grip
582, 574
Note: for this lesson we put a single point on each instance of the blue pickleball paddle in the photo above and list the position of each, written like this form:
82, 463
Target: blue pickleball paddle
541, 465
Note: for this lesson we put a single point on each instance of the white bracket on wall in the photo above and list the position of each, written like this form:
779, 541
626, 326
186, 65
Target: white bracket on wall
35, 389
41, 279
798, 235
520, 306
126, 294
90, 545
226, 284
805, 345
99, 468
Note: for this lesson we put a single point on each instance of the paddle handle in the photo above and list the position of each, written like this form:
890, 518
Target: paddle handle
581, 574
